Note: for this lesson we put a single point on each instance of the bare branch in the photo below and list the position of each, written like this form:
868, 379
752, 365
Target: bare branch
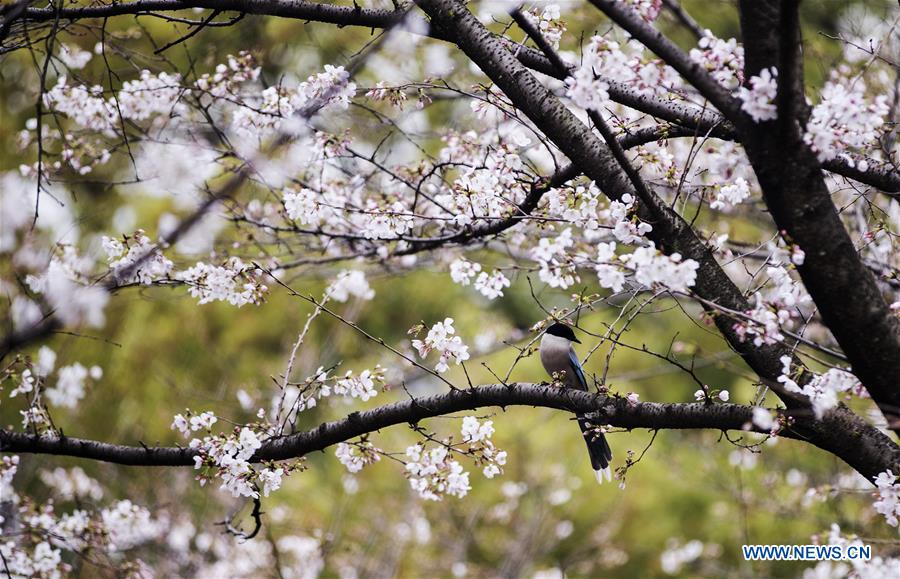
680, 14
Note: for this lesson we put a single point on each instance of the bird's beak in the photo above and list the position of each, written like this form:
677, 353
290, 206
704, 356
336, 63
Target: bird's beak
577, 341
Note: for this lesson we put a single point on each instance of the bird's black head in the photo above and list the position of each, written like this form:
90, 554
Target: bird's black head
563, 331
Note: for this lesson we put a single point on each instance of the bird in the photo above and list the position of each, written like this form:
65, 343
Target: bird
558, 357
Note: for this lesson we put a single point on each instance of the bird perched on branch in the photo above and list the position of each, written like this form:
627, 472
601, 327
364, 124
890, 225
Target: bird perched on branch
559, 358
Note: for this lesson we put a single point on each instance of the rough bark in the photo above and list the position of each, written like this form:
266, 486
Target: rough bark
840, 432
795, 192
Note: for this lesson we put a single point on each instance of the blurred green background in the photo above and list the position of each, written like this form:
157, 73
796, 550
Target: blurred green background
161, 353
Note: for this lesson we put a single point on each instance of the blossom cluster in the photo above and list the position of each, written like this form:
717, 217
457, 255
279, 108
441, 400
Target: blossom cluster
877, 567
732, 194
758, 100
490, 183
651, 267
647, 9
774, 307
433, 474
441, 338
233, 90
888, 495
69, 388
46, 534
49, 536
547, 20
763, 419
69, 291
229, 76
234, 282
264, 115
72, 484
844, 118
626, 227
604, 59
73, 57
350, 283
552, 256
38, 384
296, 398
463, 271
227, 456
676, 556
580, 205
723, 59
136, 259
360, 385
822, 390
477, 436
356, 456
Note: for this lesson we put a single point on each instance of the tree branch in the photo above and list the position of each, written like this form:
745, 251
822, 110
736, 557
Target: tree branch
297, 9
867, 453
684, 18
795, 192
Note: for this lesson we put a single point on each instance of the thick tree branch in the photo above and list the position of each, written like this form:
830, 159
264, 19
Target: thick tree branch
297, 9
866, 452
844, 289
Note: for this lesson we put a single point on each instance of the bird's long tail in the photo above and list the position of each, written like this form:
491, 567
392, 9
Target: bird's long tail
598, 448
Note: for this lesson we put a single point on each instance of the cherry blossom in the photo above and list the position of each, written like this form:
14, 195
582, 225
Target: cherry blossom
844, 118
724, 59
361, 385
433, 474
609, 274
552, 256
759, 99
876, 568
142, 259
491, 286
762, 418
479, 171
441, 339
463, 271
73, 57
356, 456
730, 195
69, 387
72, 484
67, 287
128, 524
888, 493
546, 18
651, 267
233, 282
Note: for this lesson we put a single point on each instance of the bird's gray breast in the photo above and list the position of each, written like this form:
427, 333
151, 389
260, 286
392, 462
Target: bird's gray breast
555, 358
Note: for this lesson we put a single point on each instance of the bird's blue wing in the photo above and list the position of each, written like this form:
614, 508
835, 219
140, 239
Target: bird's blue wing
598, 447
577, 371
